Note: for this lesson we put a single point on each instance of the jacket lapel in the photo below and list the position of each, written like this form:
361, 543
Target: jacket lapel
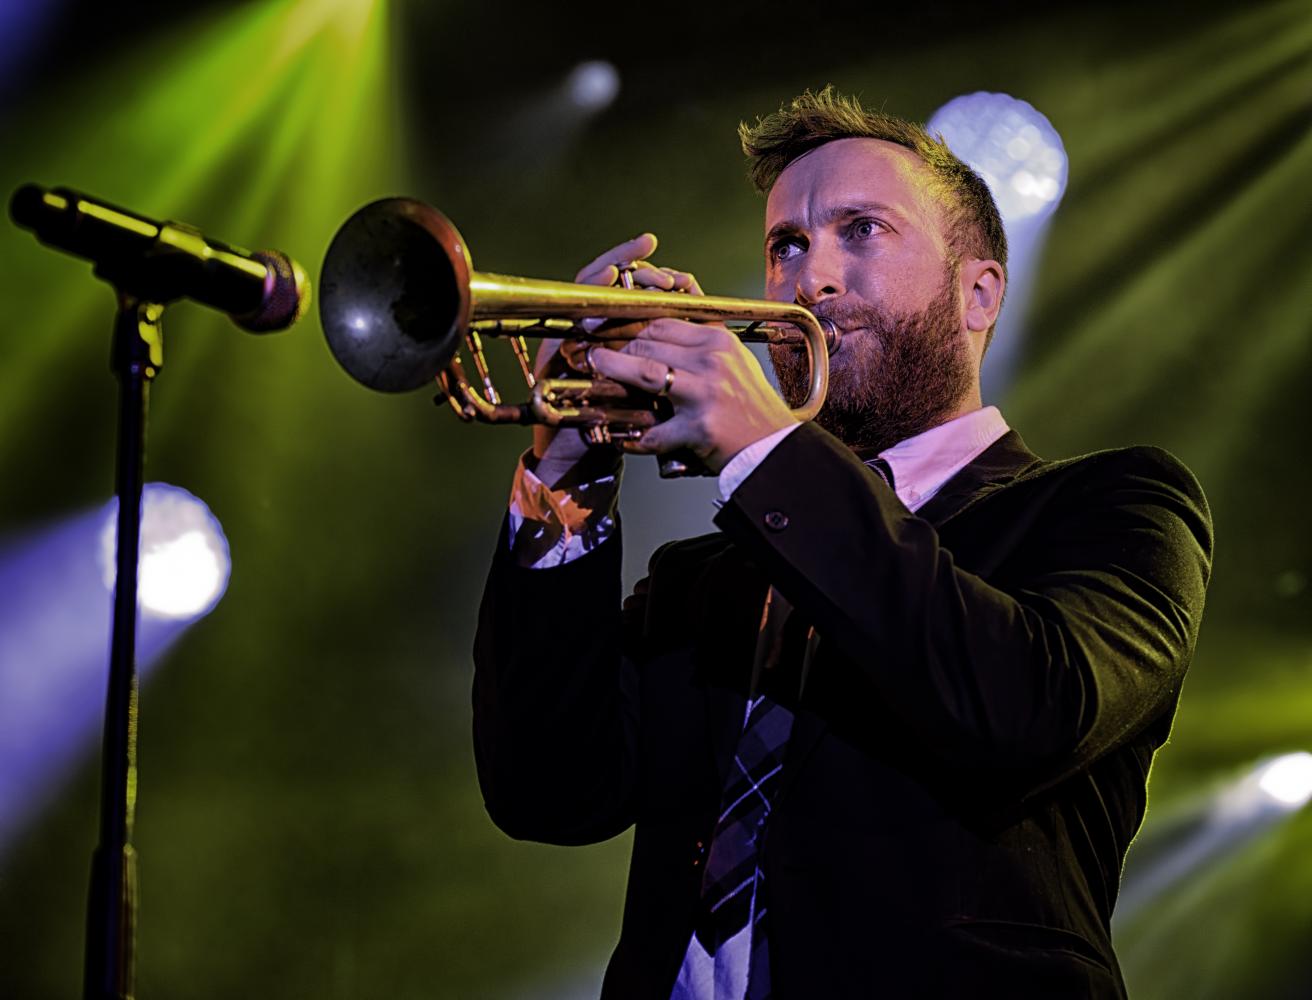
999, 464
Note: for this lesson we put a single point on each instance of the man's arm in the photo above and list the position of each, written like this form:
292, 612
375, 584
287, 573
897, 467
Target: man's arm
555, 691
555, 706
1053, 668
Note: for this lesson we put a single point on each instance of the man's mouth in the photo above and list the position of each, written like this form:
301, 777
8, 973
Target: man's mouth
841, 334
833, 335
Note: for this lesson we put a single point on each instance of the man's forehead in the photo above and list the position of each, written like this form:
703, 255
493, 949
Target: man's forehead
852, 171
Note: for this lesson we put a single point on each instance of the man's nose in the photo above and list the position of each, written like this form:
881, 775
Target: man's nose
819, 278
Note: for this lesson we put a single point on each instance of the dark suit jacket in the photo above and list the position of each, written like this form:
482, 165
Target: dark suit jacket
970, 750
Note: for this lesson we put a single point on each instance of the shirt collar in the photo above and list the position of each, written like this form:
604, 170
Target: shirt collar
922, 464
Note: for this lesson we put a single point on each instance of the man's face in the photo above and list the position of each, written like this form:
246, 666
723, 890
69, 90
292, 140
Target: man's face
855, 233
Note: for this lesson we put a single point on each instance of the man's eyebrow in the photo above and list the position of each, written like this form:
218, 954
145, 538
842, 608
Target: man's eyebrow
787, 228
852, 209
829, 216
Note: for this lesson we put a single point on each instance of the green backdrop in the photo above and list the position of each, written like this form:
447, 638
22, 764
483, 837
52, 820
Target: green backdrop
309, 823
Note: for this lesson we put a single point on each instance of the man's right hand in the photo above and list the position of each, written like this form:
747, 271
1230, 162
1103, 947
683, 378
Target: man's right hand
558, 449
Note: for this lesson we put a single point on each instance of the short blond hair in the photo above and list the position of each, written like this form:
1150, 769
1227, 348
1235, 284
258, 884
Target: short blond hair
974, 226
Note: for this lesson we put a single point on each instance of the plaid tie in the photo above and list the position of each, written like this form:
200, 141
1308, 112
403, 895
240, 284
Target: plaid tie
732, 886
732, 896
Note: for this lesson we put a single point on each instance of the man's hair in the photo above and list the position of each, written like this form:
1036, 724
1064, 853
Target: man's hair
974, 227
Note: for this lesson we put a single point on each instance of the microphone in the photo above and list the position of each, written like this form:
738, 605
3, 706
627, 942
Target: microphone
162, 261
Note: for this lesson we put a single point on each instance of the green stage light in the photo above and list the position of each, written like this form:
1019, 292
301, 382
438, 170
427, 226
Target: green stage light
157, 130
266, 125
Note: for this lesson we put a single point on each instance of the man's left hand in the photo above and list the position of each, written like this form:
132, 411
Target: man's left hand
722, 400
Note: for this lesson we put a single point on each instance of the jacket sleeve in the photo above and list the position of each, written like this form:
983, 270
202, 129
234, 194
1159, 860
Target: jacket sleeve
555, 705
1077, 652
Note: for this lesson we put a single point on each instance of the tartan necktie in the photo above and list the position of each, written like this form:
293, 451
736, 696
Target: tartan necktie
732, 896
733, 882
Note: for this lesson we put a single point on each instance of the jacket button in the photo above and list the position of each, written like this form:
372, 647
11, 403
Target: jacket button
776, 520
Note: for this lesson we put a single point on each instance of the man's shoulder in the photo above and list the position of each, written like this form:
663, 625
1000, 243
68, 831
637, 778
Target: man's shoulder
1143, 463
1142, 476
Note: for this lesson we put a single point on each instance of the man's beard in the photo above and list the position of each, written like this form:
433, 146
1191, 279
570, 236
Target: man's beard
900, 374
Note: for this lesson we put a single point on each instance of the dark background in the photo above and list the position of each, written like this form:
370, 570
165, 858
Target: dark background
309, 823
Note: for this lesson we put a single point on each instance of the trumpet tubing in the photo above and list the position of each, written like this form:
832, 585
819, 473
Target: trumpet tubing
399, 297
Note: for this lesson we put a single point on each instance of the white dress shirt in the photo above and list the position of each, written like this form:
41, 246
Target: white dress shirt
558, 526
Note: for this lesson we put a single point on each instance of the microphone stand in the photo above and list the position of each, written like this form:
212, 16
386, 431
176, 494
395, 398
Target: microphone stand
109, 971
149, 264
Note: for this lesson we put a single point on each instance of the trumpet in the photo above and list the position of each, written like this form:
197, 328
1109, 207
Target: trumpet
399, 295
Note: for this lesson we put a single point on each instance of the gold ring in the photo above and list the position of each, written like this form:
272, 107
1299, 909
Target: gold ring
669, 382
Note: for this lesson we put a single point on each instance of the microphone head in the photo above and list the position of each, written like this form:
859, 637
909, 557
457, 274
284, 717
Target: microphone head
286, 294
27, 206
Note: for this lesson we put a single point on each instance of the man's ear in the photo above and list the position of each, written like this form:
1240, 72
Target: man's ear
983, 282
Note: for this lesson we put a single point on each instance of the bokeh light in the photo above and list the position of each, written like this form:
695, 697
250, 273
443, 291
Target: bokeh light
1288, 779
1011, 145
594, 84
1018, 153
184, 563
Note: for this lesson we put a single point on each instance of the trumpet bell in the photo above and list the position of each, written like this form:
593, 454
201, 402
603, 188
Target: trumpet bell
394, 294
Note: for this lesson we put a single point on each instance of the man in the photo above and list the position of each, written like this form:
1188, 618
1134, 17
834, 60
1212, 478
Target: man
917, 770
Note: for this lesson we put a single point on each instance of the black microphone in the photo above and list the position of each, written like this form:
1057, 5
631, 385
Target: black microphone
162, 261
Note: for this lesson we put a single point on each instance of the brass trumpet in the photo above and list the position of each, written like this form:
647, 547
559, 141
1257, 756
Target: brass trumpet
398, 294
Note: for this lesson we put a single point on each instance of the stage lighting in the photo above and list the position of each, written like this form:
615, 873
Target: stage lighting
184, 555
1020, 156
56, 586
1272, 788
593, 85
1189, 840
1012, 146
1288, 780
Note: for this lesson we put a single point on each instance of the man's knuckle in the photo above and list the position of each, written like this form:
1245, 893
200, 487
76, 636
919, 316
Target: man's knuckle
719, 341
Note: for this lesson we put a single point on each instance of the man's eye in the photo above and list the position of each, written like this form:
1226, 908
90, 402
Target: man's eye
785, 250
863, 229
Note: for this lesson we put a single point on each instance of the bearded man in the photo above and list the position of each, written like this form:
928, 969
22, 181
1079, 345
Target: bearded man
886, 733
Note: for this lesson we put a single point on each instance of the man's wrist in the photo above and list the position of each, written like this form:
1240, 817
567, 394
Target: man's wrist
726, 453
554, 524
745, 460
595, 463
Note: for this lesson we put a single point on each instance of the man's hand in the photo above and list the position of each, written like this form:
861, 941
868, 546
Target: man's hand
557, 452
722, 400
